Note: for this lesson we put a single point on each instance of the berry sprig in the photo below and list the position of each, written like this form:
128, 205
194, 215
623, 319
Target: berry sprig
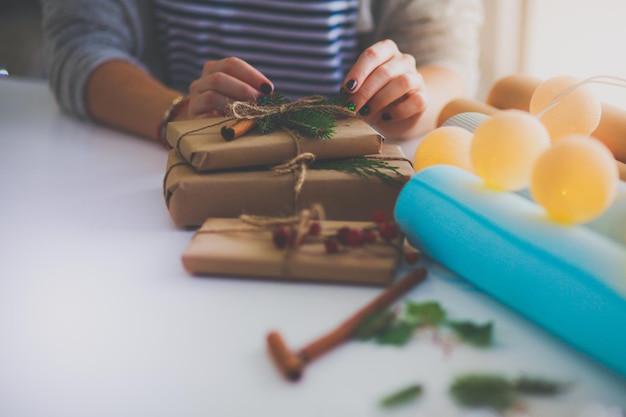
382, 231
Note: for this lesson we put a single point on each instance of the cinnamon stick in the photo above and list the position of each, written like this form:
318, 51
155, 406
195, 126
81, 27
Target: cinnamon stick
237, 129
291, 364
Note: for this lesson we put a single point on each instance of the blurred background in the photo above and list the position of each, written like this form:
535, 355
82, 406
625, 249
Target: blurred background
541, 38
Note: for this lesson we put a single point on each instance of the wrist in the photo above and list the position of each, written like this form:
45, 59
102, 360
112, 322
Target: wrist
175, 109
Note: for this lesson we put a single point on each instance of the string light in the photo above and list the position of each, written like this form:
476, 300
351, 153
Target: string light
448, 145
505, 147
575, 180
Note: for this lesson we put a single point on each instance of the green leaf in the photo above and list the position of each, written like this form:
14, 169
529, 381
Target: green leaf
539, 386
425, 313
374, 325
402, 396
483, 390
397, 334
480, 335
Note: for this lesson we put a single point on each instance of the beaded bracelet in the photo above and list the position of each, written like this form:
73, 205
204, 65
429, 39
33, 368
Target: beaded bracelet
177, 105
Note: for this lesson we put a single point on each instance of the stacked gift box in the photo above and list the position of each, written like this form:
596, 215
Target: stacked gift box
209, 180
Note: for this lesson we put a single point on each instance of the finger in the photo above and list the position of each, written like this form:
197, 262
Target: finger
399, 73
400, 88
208, 103
241, 70
412, 104
370, 59
224, 84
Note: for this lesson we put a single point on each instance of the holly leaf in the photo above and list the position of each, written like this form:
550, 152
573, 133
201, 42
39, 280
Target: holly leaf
480, 335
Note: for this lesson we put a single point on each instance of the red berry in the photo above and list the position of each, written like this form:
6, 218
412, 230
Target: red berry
355, 238
315, 228
410, 257
282, 237
369, 236
388, 230
342, 235
331, 245
379, 216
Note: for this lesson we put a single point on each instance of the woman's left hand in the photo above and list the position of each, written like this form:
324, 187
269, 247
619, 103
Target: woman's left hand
387, 90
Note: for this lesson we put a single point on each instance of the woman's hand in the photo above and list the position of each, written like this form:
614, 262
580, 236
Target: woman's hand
387, 90
224, 81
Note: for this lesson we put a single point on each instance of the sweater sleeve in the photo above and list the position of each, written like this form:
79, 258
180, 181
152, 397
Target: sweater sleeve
79, 35
436, 32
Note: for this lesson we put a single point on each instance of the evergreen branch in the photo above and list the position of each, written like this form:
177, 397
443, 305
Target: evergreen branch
363, 167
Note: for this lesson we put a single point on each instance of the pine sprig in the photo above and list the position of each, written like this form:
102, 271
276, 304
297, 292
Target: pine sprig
363, 167
313, 122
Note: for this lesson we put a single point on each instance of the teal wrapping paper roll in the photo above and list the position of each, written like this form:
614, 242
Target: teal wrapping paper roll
570, 280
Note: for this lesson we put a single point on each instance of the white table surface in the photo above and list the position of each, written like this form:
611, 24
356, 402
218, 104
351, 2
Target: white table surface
99, 318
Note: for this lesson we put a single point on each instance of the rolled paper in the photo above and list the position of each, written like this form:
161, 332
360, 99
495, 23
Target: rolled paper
464, 105
569, 280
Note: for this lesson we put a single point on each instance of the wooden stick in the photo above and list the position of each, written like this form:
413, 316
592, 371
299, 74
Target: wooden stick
292, 364
237, 129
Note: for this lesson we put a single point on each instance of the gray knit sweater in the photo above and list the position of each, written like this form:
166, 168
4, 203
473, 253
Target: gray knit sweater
79, 35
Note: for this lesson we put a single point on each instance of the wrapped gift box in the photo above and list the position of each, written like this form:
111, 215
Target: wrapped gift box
230, 247
192, 197
206, 150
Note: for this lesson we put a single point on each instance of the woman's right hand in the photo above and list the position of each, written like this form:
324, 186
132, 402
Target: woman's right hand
223, 81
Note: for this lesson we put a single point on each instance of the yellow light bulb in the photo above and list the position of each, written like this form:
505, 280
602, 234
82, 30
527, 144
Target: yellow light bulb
447, 145
505, 147
577, 112
575, 180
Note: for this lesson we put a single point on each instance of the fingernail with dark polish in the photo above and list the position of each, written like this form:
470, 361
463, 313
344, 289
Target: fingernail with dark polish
266, 88
364, 110
351, 106
351, 85
386, 116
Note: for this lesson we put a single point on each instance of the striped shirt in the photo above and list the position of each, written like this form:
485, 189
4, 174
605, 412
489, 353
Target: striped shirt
304, 47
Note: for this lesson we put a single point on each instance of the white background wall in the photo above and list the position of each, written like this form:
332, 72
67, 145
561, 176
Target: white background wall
546, 38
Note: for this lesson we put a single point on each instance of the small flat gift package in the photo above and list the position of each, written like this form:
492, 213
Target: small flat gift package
232, 247
193, 196
200, 143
